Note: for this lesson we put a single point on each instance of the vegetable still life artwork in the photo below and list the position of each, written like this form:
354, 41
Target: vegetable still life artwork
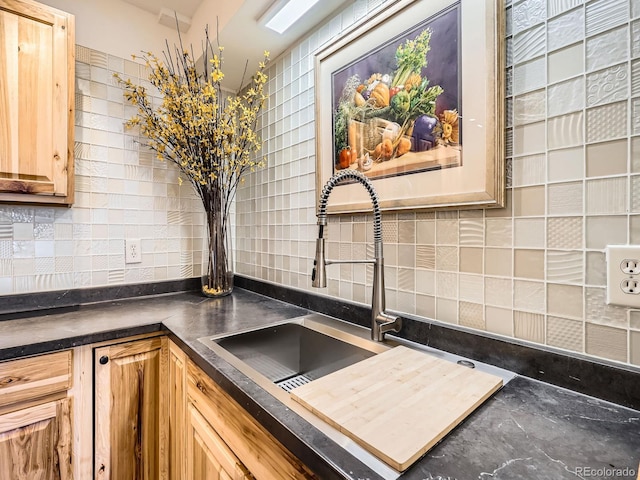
413, 97
188, 119
396, 109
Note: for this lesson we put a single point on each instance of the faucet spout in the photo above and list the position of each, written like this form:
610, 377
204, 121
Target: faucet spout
381, 321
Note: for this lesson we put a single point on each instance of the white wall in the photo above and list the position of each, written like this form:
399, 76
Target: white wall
115, 27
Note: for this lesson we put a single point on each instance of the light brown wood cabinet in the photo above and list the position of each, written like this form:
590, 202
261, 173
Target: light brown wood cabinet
208, 456
37, 75
131, 410
223, 440
35, 418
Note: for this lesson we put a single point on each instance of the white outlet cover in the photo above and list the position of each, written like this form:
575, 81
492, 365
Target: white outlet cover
132, 251
619, 258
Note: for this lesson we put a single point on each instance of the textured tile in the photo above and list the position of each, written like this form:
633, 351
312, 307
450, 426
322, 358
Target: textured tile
556, 7
565, 333
447, 258
607, 49
566, 97
564, 266
529, 108
565, 29
498, 232
607, 86
634, 229
566, 63
471, 315
529, 296
597, 311
498, 291
447, 285
635, 116
447, 232
528, 13
565, 232
635, 194
607, 195
529, 44
425, 231
529, 170
635, 39
614, 119
529, 326
529, 76
471, 232
471, 288
606, 342
426, 256
565, 199
634, 344
601, 15
566, 131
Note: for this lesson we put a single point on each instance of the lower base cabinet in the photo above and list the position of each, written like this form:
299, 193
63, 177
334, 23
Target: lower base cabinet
35, 442
222, 440
209, 457
131, 410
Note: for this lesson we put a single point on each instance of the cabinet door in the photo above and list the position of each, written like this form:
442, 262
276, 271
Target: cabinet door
209, 458
256, 448
36, 103
35, 443
131, 410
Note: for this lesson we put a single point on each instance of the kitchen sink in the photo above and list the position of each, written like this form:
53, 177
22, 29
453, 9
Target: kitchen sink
295, 352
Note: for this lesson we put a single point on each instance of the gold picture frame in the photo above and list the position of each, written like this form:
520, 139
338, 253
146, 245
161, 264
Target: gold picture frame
435, 169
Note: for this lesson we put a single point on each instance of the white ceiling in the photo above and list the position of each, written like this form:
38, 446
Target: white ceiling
243, 38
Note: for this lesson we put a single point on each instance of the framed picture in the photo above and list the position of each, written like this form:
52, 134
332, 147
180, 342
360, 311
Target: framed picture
413, 98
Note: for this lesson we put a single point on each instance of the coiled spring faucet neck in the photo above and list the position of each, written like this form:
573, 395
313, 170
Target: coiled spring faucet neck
381, 322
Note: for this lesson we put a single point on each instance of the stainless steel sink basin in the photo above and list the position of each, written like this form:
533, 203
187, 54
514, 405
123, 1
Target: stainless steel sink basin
292, 354
295, 352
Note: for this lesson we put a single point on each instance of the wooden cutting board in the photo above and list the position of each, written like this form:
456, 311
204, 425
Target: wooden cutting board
397, 404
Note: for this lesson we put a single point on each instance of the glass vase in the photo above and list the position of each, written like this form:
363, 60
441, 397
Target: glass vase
217, 257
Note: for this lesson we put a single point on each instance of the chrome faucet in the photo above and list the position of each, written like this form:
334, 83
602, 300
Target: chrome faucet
381, 321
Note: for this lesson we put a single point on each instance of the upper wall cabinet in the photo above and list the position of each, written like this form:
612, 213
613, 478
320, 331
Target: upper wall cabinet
37, 72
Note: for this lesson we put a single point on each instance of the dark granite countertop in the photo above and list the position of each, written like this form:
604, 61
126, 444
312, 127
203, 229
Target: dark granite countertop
528, 430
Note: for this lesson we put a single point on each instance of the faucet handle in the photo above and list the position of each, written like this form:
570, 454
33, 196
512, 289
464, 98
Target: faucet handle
319, 273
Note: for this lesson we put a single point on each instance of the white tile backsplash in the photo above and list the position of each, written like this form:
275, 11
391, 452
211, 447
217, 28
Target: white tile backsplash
572, 84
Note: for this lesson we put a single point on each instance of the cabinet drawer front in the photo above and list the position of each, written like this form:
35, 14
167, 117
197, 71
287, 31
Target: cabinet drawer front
32, 377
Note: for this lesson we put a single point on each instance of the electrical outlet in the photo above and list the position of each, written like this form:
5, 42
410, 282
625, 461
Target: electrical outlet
623, 275
132, 251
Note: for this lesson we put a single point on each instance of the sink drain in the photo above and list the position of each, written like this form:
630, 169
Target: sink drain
293, 382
